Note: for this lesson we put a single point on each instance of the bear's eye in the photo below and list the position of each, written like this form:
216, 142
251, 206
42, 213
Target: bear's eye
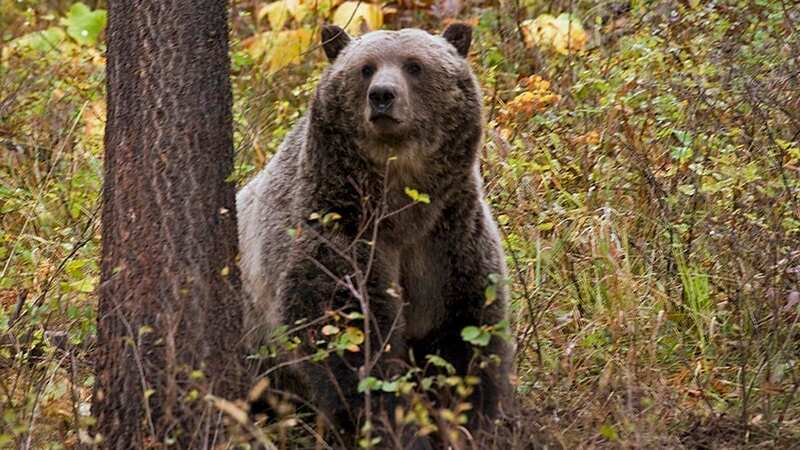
413, 68
367, 70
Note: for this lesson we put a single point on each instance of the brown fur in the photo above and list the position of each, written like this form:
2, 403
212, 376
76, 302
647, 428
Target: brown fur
438, 256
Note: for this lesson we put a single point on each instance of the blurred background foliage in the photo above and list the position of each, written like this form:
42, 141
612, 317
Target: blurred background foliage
642, 158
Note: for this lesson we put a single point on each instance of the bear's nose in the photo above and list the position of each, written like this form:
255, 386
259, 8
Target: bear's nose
381, 98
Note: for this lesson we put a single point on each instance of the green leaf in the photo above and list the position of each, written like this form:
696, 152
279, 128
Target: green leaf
438, 361
389, 386
427, 382
500, 327
75, 267
470, 333
609, 432
83, 24
686, 189
476, 336
369, 384
681, 154
483, 340
85, 285
684, 137
41, 41
355, 315
320, 355
490, 294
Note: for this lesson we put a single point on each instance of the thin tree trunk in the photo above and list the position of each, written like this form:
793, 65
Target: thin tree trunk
169, 319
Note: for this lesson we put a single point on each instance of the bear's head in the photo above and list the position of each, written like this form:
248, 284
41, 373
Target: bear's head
399, 91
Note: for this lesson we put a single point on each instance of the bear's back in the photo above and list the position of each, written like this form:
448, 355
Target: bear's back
266, 209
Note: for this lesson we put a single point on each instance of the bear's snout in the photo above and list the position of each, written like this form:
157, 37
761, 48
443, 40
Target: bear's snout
387, 98
381, 98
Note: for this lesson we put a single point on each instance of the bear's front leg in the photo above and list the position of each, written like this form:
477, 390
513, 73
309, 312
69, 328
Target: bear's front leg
471, 252
331, 292
491, 362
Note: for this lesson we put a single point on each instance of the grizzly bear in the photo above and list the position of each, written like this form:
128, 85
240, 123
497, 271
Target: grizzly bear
374, 204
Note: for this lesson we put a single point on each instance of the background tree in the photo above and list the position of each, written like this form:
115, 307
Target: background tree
169, 319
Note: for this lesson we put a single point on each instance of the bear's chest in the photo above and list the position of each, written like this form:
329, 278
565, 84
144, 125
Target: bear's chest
423, 278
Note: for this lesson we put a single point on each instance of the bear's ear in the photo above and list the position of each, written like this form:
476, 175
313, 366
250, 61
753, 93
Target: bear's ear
460, 35
334, 39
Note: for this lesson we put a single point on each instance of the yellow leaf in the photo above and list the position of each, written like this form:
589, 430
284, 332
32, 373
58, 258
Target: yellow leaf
277, 13
322, 7
564, 33
289, 47
530, 102
256, 45
296, 9
351, 14
525, 97
417, 196
592, 138
539, 30
279, 48
354, 335
536, 83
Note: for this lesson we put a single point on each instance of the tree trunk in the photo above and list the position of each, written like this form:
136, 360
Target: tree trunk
169, 319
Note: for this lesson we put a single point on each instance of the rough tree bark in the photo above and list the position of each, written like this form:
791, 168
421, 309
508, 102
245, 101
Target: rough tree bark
169, 295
